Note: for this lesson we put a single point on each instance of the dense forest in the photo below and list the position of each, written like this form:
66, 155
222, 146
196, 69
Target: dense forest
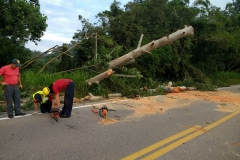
211, 51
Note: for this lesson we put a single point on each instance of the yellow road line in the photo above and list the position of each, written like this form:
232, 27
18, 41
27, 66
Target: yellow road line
172, 146
189, 137
221, 120
161, 143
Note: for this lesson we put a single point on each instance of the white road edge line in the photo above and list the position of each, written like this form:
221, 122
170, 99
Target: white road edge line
89, 105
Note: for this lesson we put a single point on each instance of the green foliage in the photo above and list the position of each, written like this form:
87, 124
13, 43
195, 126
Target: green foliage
2, 104
99, 89
225, 79
28, 105
125, 86
206, 87
186, 82
213, 48
10, 50
209, 58
66, 61
122, 85
216, 47
20, 22
33, 82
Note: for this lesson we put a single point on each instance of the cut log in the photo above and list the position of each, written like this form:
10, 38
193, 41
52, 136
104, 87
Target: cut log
76, 100
176, 90
167, 90
183, 88
192, 88
99, 77
86, 97
115, 95
94, 98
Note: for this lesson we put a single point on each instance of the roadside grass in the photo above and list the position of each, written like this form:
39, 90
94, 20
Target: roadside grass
128, 87
225, 79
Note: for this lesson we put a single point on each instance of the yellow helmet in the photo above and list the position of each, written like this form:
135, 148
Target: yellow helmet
46, 91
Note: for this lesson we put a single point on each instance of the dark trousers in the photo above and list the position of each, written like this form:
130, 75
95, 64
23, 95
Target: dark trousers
68, 99
12, 95
46, 107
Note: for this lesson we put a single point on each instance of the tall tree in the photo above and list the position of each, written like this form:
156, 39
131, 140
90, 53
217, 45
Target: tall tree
92, 40
20, 21
65, 59
215, 43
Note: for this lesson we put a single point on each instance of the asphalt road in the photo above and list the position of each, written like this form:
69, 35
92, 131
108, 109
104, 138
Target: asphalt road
195, 132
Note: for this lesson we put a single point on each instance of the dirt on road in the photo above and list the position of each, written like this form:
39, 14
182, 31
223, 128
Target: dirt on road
225, 100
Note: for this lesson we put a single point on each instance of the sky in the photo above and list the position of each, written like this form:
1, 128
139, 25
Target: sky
63, 18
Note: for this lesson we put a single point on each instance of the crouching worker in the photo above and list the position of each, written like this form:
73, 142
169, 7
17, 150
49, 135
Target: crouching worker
67, 86
45, 99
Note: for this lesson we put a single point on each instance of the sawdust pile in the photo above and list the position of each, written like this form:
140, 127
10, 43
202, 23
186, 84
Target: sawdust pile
225, 100
107, 121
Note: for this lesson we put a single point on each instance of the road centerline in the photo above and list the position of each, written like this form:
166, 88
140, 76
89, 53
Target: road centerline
197, 131
161, 143
189, 137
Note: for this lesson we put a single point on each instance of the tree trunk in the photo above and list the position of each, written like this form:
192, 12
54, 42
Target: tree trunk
150, 46
114, 95
129, 57
99, 77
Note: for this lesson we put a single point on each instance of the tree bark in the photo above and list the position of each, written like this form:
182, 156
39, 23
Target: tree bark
114, 95
99, 77
150, 46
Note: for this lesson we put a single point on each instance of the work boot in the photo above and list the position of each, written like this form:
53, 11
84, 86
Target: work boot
64, 116
20, 114
61, 113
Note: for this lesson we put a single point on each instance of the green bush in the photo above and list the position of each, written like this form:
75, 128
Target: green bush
208, 86
225, 79
128, 87
186, 82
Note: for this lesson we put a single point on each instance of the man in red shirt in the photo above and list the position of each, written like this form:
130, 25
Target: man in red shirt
11, 80
61, 85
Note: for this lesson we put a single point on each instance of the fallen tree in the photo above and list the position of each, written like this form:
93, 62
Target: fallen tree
131, 56
101, 76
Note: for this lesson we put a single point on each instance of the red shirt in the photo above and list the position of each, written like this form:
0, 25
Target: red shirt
10, 75
60, 85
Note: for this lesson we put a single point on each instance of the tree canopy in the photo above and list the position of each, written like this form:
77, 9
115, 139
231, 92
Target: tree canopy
213, 48
20, 21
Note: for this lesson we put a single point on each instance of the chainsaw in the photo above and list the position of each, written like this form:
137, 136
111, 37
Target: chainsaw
103, 111
55, 113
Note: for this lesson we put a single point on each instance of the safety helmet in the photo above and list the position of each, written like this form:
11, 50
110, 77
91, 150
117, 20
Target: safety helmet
46, 91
